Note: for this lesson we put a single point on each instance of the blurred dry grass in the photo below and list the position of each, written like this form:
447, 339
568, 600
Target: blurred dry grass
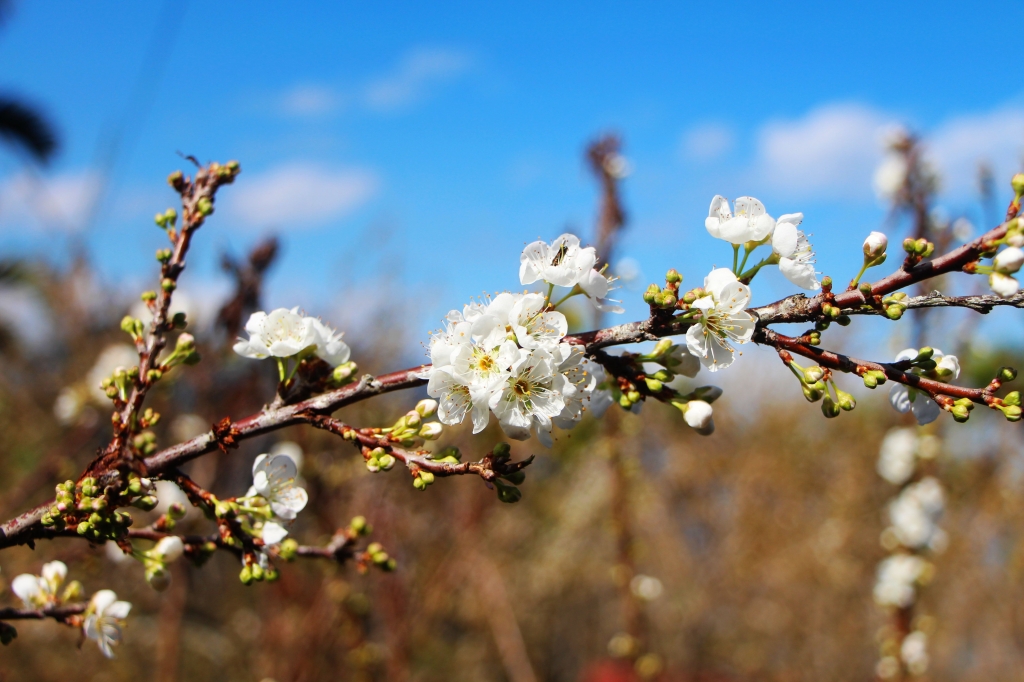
764, 536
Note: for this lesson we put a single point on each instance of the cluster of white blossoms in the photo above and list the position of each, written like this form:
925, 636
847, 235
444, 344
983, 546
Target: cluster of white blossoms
506, 356
103, 618
751, 226
285, 333
898, 578
932, 364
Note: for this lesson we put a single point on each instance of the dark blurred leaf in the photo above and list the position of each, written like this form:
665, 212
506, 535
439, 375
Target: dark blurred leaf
26, 127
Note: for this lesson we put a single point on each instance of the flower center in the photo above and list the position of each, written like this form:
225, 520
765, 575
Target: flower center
521, 388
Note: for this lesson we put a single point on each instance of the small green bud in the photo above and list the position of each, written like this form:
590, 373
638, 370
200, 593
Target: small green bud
146, 503
426, 407
843, 320
689, 297
47, 519
846, 401
179, 320
359, 525
1007, 374
634, 396
84, 527
163, 255
826, 282
813, 375
380, 558
257, 572
925, 353
168, 284
373, 465
909, 245
204, 206
386, 462
170, 216
1012, 398
450, 451
418, 483
1017, 183
960, 413
870, 380
822, 325
661, 348
73, 592
154, 375
288, 549
673, 276
245, 575
508, 493
390, 566
865, 288
624, 401
829, 408
501, 450
894, 312
1011, 412
653, 385
427, 477
176, 179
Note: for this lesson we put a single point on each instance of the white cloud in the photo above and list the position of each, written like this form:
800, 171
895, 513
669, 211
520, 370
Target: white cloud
416, 72
832, 151
62, 203
708, 141
959, 144
300, 195
311, 100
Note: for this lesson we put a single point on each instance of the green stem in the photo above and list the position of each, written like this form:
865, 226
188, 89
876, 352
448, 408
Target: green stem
735, 259
863, 269
749, 274
746, 255
576, 291
281, 371
547, 297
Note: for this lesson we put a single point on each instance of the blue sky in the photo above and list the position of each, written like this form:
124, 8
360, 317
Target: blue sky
425, 144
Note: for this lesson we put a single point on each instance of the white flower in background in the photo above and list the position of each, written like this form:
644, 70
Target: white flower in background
532, 395
284, 333
169, 549
896, 580
581, 381
897, 456
536, 329
601, 397
112, 357
1009, 260
891, 176
905, 399
68, 405
103, 620
751, 223
562, 263
273, 478
723, 319
646, 587
914, 652
40, 591
273, 533
289, 449
915, 513
796, 257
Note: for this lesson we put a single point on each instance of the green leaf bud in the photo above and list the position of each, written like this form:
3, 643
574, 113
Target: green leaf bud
508, 493
245, 575
515, 477
501, 450
1012, 398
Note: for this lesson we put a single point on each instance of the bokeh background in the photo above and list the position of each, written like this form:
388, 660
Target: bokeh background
402, 155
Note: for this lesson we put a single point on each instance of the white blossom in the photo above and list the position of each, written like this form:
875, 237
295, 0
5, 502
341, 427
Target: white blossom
796, 257
536, 329
40, 591
896, 580
104, 618
273, 532
751, 223
273, 478
562, 263
285, 333
723, 320
581, 376
897, 456
531, 396
681, 361
169, 549
596, 287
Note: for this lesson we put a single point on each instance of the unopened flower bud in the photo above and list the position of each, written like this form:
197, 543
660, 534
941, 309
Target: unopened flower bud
875, 245
653, 385
845, 400
427, 477
708, 394
829, 408
895, 312
1011, 412
910, 245
813, 375
661, 348
359, 525
168, 284
1017, 182
169, 548
289, 547
698, 416
673, 276
1003, 285
386, 462
1009, 260
651, 293
508, 493
501, 450
204, 206
1012, 398
158, 577
960, 413
431, 431
426, 407
245, 575
813, 392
